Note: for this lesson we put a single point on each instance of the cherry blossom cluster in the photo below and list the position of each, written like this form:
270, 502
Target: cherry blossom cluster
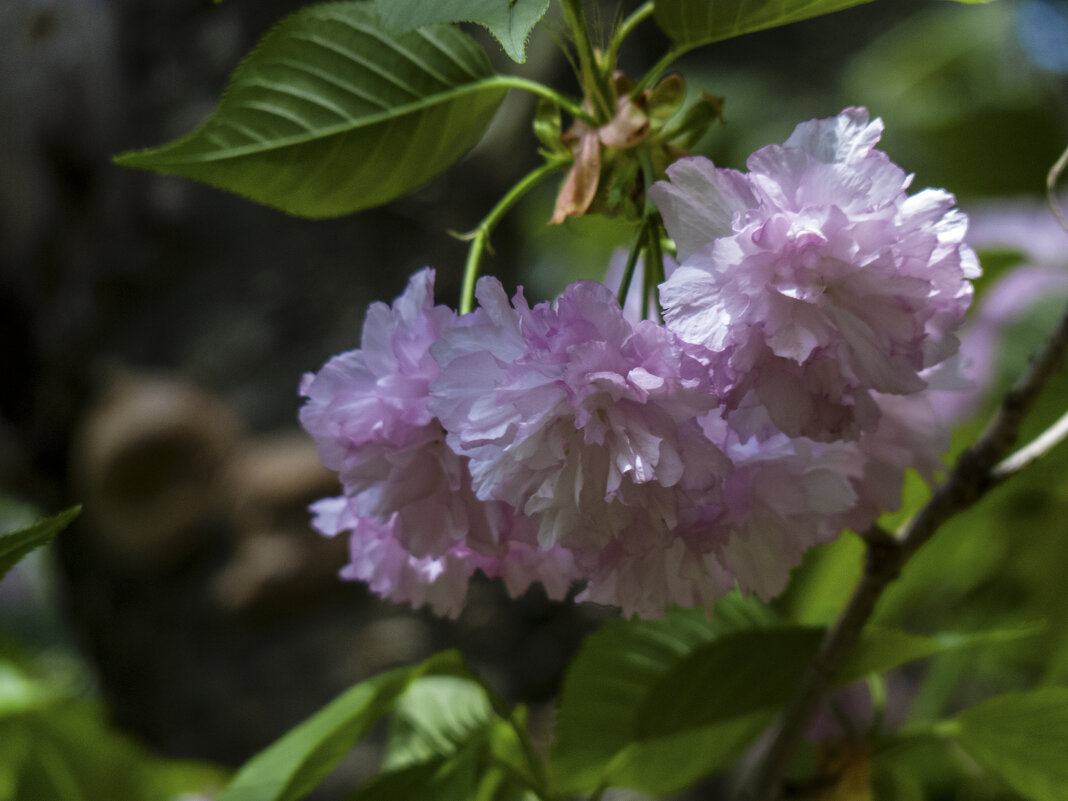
813, 306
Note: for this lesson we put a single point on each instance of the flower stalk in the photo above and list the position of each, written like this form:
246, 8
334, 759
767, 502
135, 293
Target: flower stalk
479, 236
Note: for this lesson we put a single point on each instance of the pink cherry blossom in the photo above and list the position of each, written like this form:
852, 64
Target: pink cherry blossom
569, 413
814, 278
417, 531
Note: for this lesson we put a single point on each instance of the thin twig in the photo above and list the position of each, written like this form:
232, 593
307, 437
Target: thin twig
1051, 187
971, 477
1032, 451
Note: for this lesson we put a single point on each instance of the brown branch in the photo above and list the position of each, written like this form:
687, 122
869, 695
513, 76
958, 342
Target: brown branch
971, 478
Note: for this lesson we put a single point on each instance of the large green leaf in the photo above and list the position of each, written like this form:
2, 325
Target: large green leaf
611, 676
681, 699
1021, 738
16, 544
510, 21
331, 114
295, 764
696, 22
657, 705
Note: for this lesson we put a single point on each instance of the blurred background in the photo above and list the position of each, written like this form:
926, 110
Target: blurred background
153, 332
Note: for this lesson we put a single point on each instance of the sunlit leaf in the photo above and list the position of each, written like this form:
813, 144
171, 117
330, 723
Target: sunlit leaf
447, 743
694, 22
510, 21
16, 544
435, 717
295, 764
331, 114
20, 692
1021, 738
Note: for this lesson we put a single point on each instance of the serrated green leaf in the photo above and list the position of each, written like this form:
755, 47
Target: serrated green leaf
510, 21
295, 764
331, 114
697, 22
1021, 738
16, 544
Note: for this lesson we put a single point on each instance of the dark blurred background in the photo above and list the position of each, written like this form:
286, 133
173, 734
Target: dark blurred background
153, 330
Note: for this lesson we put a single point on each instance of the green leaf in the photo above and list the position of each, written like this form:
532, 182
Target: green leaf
1021, 738
295, 764
696, 22
612, 674
331, 114
447, 744
657, 705
510, 21
16, 544
435, 717
73, 754
21, 693
440, 779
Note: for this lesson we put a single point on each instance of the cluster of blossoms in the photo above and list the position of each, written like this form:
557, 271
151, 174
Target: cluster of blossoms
813, 304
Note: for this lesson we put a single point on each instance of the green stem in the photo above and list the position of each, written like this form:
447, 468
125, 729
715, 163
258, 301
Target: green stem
537, 767
654, 262
625, 29
632, 261
569, 105
480, 235
650, 77
594, 85
654, 269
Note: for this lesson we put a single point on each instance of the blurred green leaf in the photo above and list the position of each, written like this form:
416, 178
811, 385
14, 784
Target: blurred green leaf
298, 762
510, 21
331, 114
12, 758
16, 544
472, 770
435, 717
21, 693
697, 22
821, 585
72, 754
447, 743
439, 779
1021, 738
